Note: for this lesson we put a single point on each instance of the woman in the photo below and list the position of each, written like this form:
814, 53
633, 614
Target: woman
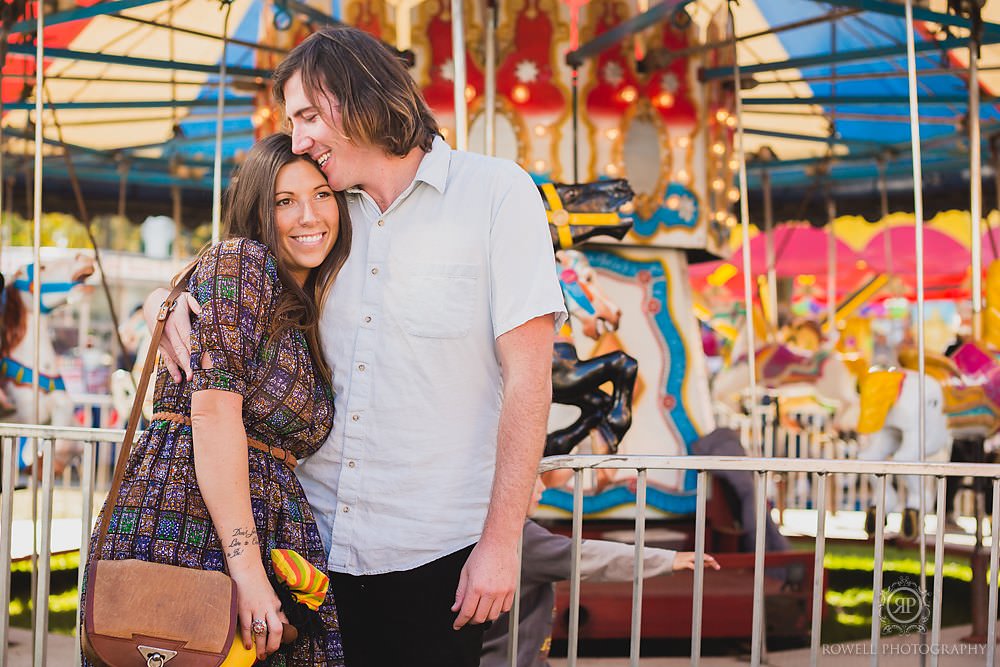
197, 491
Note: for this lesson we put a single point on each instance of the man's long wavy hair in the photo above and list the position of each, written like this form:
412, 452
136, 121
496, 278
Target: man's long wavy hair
248, 212
380, 103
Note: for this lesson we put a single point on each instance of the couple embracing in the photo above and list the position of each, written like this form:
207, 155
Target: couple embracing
381, 311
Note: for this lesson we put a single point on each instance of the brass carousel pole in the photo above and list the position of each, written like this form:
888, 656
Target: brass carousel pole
458, 59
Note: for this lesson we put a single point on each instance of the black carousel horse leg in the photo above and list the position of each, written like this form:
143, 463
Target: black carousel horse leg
576, 382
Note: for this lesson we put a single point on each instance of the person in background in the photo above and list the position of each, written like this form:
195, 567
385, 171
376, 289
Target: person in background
546, 558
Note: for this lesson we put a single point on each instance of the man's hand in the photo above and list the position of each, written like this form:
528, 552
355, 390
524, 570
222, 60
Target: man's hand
175, 345
487, 583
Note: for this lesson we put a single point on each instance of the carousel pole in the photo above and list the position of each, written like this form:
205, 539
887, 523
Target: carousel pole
491, 79
883, 191
772, 272
39, 625
758, 646
458, 58
918, 215
219, 117
831, 205
975, 189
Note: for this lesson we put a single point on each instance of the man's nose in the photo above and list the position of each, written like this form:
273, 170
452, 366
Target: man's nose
301, 143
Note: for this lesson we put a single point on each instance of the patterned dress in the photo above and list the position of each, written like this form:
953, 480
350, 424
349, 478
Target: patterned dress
160, 515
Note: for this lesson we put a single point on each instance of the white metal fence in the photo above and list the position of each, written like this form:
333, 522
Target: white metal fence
820, 473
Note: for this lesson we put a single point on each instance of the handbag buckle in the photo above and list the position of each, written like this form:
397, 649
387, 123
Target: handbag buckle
156, 657
166, 308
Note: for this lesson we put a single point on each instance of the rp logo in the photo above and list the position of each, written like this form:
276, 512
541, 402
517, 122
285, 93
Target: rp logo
905, 608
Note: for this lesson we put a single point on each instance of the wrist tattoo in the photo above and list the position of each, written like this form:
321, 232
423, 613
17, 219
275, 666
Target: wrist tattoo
240, 540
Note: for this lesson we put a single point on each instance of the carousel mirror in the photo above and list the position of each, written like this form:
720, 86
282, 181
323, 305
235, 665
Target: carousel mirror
642, 156
507, 144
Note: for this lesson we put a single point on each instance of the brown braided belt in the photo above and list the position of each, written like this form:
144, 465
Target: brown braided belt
282, 455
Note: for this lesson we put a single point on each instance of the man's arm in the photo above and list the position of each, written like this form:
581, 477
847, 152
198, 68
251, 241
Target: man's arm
175, 345
489, 578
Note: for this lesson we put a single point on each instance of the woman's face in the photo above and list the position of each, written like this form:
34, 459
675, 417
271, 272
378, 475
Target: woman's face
306, 215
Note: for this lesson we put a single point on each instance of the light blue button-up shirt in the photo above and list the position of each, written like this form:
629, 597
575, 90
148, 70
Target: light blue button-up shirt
409, 329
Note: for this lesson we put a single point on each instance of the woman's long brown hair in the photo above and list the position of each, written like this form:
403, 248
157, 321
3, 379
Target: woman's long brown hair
248, 212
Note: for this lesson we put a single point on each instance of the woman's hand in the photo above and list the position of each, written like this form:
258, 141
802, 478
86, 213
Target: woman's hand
684, 560
256, 600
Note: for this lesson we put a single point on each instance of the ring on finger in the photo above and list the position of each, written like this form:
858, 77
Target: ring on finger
259, 626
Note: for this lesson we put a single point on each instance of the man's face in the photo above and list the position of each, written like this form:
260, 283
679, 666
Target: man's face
318, 133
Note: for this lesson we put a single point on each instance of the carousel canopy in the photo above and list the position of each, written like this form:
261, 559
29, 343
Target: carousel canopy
134, 87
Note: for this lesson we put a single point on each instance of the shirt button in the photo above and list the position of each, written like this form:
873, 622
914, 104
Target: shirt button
381, 223
346, 509
375, 271
355, 417
361, 367
350, 464
368, 319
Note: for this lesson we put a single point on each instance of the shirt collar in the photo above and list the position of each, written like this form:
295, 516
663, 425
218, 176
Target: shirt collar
433, 168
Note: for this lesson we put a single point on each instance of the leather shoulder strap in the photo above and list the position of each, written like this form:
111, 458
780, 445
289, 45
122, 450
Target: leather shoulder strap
133, 418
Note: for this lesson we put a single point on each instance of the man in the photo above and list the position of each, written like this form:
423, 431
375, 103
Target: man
439, 332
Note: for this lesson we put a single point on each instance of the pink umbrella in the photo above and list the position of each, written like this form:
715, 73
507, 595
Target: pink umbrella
799, 249
943, 255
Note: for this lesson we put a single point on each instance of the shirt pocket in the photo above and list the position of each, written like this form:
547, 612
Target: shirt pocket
439, 299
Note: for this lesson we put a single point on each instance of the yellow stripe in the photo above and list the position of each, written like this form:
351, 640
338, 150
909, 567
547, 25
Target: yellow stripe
552, 197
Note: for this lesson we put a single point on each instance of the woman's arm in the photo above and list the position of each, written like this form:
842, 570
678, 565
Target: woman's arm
221, 466
175, 346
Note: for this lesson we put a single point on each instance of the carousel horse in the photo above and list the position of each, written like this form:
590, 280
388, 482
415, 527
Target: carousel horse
962, 402
576, 213
58, 278
780, 368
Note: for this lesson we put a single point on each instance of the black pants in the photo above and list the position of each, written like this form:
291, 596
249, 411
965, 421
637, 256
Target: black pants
405, 618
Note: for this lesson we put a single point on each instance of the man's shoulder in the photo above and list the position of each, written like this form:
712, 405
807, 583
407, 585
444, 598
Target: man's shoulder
475, 163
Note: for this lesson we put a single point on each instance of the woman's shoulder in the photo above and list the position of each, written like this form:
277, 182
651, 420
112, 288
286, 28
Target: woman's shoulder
239, 257
241, 252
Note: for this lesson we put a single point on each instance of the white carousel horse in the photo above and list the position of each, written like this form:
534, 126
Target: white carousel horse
822, 374
962, 402
58, 278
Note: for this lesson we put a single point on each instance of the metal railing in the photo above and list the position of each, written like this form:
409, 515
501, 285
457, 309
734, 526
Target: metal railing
42, 492
820, 471
761, 468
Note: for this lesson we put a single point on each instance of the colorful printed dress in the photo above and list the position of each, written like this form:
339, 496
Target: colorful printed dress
160, 515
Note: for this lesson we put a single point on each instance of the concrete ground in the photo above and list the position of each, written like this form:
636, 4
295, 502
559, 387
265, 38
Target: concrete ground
896, 652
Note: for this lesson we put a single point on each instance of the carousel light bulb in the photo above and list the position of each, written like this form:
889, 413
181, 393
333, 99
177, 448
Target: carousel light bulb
731, 121
718, 185
734, 164
470, 93
719, 148
733, 195
540, 130
721, 115
520, 94
612, 134
683, 177
683, 142
664, 100
628, 94
540, 166
721, 216
673, 202
611, 169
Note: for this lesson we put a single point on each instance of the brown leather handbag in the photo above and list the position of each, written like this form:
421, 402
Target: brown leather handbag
149, 614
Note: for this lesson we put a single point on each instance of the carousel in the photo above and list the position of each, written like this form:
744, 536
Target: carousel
736, 199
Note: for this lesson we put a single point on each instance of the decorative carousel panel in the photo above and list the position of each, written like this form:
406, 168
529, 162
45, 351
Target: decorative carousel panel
670, 398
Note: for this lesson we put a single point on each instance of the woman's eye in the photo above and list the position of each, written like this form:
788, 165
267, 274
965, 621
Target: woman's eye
283, 202
323, 194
